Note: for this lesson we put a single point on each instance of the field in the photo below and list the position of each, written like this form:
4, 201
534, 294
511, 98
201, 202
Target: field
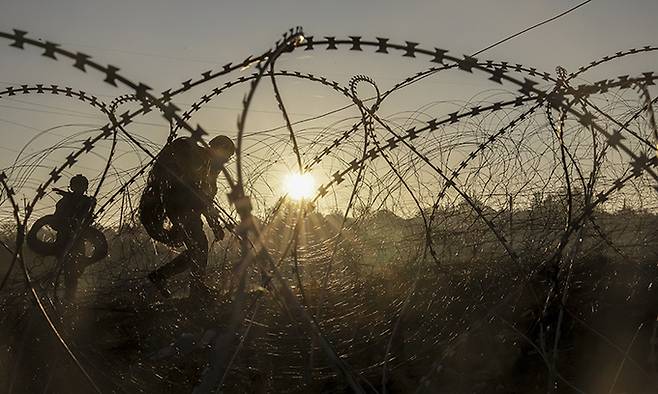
473, 321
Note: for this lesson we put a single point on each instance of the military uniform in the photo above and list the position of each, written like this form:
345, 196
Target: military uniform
188, 185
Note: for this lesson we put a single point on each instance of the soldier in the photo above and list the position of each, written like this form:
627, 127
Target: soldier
180, 189
71, 219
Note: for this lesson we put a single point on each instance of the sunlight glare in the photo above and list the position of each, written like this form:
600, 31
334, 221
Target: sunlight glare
299, 186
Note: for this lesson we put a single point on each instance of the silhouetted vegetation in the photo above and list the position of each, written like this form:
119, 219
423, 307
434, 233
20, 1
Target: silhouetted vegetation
471, 321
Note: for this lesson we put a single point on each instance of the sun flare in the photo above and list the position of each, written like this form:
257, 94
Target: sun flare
299, 186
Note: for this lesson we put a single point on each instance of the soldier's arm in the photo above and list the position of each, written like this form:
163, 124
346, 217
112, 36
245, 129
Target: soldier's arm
91, 205
212, 216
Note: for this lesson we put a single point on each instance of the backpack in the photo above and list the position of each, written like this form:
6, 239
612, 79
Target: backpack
159, 184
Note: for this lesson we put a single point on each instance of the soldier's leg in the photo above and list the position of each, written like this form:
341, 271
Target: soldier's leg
71, 275
195, 257
68, 264
176, 266
181, 262
197, 247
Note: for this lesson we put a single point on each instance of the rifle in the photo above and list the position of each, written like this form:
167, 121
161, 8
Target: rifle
62, 192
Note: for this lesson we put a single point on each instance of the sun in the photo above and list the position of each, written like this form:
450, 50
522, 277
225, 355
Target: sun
299, 186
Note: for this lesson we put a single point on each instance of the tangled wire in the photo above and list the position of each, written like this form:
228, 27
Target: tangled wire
488, 242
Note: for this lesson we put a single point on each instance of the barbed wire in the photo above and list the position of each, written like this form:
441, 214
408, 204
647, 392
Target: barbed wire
336, 287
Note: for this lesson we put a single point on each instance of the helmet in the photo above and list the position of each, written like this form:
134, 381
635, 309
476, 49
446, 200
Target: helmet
79, 184
222, 146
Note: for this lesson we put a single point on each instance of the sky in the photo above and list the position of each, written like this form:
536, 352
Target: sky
163, 42
215, 31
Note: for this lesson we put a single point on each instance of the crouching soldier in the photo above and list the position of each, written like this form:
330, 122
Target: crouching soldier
180, 189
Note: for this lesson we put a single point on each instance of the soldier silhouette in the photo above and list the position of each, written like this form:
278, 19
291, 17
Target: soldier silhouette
180, 189
71, 221
71, 218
